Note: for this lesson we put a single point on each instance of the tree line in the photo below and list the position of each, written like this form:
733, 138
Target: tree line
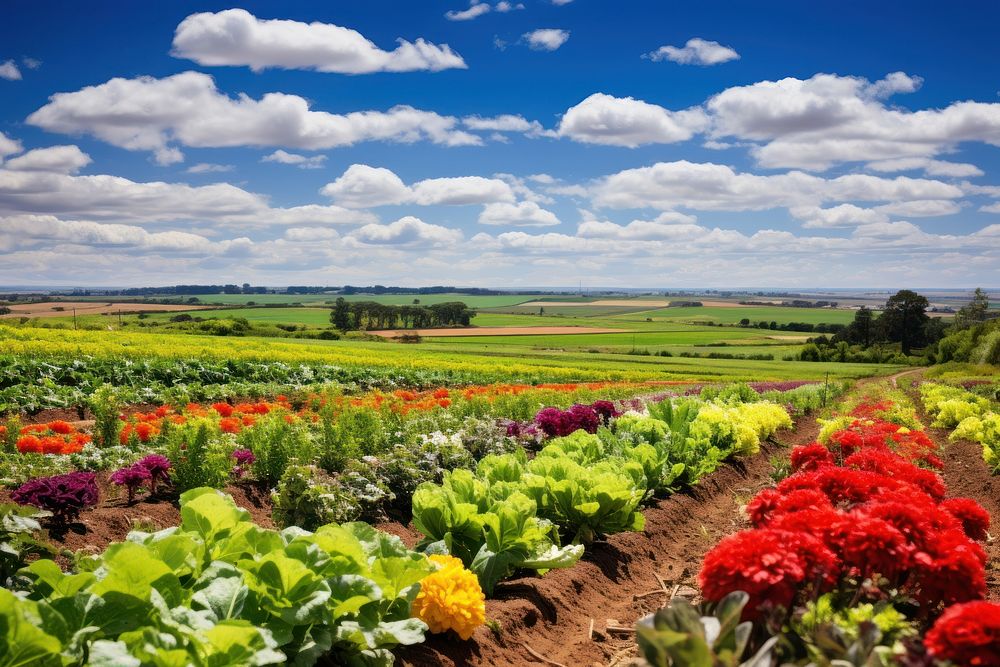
371, 315
903, 321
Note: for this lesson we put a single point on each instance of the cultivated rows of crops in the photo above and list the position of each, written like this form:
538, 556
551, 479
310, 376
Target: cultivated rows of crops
500, 479
973, 416
43, 368
858, 557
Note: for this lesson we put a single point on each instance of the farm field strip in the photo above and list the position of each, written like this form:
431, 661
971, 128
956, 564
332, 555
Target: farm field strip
65, 308
497, 331
182, 446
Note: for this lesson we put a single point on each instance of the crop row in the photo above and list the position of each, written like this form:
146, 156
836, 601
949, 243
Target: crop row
219, 590
39, 362
972, 416
856, 558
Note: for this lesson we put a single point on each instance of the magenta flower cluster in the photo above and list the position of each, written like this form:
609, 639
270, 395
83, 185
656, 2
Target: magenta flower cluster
244, 458
147, 470
556, 423
63, 495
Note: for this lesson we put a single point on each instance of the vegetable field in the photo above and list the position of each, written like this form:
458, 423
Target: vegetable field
374, 527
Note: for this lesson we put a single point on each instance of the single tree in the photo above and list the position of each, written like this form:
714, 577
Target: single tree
975, 311
340, 317
862, 329
904, 319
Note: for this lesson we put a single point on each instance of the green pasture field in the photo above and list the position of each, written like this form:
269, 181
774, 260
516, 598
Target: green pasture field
653, 340
723, 315
323, 299
319, 317
582, 310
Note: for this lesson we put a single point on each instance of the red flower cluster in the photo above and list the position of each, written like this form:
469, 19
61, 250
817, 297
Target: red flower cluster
57, 437
872, 510
967, 634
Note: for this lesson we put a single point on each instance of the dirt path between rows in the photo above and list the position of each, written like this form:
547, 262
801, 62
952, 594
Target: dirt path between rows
550, 617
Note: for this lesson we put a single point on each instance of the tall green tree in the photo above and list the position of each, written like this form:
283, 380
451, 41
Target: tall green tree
904, 319
975, 311
862, 329
341, 315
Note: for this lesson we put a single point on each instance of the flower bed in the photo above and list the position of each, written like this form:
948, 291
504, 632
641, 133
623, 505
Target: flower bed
854, 556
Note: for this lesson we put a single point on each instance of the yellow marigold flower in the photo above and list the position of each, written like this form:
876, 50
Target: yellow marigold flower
903, 429
451, 599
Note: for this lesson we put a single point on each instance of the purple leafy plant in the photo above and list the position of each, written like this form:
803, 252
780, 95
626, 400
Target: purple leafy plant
132, 478
63, 495
158, 467
244, 459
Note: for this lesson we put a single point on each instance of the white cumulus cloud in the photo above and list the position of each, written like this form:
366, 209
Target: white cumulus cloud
696, 51
237, 37
522, 214
624, 121
408, 231
150, 114
61, 159
828, 119
475, 9
363, 186
300, 161
10, 71
546, 39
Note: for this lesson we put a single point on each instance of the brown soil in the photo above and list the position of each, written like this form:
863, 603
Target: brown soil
45, 309
494, 331
114, 518
552, 614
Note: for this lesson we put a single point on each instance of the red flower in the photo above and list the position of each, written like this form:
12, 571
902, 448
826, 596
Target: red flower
873, 546
967, 634
761, 509
951, 570
224, 409
29, 443
230, 425
975, 520
811, 457
60, 427
772, 566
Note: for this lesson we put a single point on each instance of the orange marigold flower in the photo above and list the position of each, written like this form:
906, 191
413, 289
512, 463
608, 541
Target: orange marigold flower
146, 431
29, 443
450, 599
61, 427
230, 425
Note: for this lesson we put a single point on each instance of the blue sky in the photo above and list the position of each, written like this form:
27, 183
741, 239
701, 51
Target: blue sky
537, 143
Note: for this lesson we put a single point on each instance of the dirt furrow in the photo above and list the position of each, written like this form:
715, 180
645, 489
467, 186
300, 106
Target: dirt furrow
550, 617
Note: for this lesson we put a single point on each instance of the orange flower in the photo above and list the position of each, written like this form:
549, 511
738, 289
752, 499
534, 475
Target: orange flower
60, 427
29, 443
146, 431
224, 409
230, 425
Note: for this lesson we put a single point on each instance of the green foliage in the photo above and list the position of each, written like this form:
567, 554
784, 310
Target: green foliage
864, 634
275, 443
308, 498
491, 527
106, 407
682, 635
18, 527
219, 591
195, 458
